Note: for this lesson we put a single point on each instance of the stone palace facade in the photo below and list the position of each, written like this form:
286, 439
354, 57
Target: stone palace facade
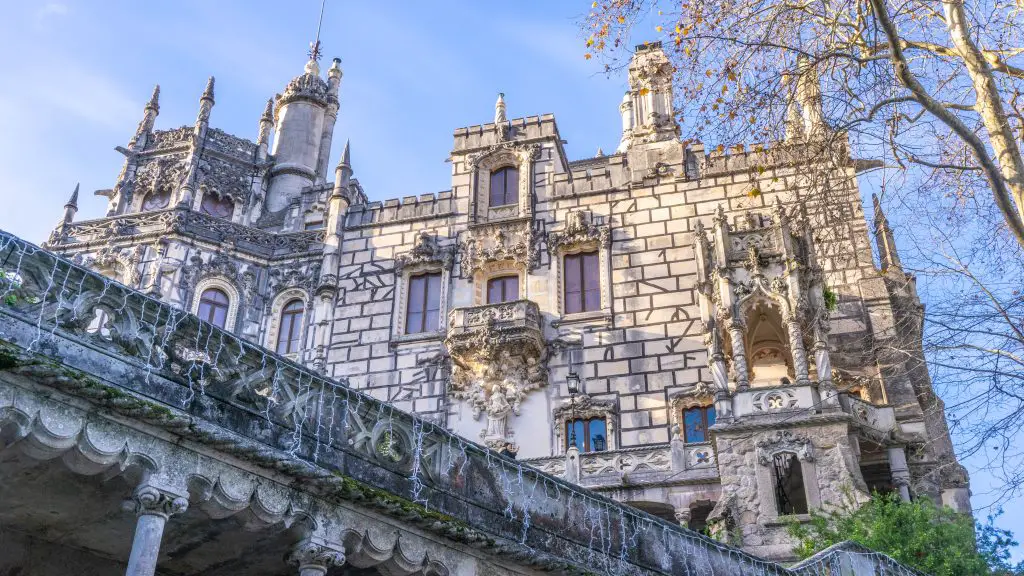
662, 325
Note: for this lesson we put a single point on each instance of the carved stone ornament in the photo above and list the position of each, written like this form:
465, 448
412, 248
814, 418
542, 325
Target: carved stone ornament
149, 500
307, 86
498, 356
524, 152
426, 250
579, 229
784, 441
309, 554
500, 242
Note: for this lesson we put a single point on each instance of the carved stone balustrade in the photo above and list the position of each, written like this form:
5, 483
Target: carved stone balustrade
635, 467
878, 422
775, 400
767, 242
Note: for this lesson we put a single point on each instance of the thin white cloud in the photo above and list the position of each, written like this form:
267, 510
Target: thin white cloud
88, 96
52, 10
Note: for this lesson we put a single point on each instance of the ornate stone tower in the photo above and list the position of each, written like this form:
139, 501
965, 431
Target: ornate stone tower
304, 118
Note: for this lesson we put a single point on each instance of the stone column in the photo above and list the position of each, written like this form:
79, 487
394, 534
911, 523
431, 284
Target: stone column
900, 471
823, 363
572, 464
683, 516
314, 558
153, 508
796, 346
739, 355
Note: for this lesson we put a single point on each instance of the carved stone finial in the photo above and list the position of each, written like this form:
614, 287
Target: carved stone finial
314, 558
154, 100
149, 500
208, 91
499, 109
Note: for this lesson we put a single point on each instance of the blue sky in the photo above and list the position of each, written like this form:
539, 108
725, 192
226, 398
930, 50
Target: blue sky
75, 75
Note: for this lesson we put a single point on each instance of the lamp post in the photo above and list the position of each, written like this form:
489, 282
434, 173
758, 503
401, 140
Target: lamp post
572, 383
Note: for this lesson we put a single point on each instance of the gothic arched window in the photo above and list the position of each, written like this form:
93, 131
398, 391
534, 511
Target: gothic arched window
217, 206
213, 307
590, 435
289, 334
504, 187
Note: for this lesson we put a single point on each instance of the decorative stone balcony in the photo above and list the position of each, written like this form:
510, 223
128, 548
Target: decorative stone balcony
648, 465
498, 355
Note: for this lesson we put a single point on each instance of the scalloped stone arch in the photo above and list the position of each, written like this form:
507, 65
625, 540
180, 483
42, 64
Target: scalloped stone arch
274, 317
519, 158
221, 283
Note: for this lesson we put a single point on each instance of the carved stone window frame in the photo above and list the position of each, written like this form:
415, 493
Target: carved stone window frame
507, 155
699, 396
236, 202
497, 269
585, 408
274, 320
221, 283
577, 236
426, 258
785, 442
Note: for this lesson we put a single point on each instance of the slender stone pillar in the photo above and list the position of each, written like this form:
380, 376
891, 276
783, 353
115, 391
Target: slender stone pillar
796, 346
823, 363
153, 508
739, 355
314, 558
900, 471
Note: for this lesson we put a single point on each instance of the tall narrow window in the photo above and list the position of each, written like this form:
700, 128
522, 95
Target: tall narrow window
289, 334
424, 303
213, 307
696, 422
790, 496
582, 283
502, 289
504, 187
588, 435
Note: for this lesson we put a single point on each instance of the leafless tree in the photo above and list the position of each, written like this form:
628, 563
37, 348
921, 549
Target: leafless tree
924, 98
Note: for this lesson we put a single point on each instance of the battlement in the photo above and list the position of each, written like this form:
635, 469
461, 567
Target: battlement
529, 128
408, 208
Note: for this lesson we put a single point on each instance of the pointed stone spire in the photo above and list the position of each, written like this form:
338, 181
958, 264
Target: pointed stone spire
499, 109
890, 258
71, 208
346, 156
149, 115
154, 100
266, 125
600, 152
208, 91
343, 172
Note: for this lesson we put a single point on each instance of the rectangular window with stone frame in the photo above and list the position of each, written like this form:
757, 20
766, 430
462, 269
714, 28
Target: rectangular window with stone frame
582, 282
423, 308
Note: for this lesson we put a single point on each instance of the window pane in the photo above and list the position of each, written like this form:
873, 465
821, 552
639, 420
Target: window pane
598, 435
220, 317
511, 186
497, 188
205, 312
573, 284
693, 425
591, 282
284, 333
576, 427
416, 294
433, 292
511, 288
494, 290
711, 415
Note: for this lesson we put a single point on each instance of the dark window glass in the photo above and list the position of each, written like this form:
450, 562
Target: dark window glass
788, 475
503, 289
156, 200
219, 207
582, 283
504, 187
696, 422
588, 435
213, 307
289, 334
314, 225
424, 303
